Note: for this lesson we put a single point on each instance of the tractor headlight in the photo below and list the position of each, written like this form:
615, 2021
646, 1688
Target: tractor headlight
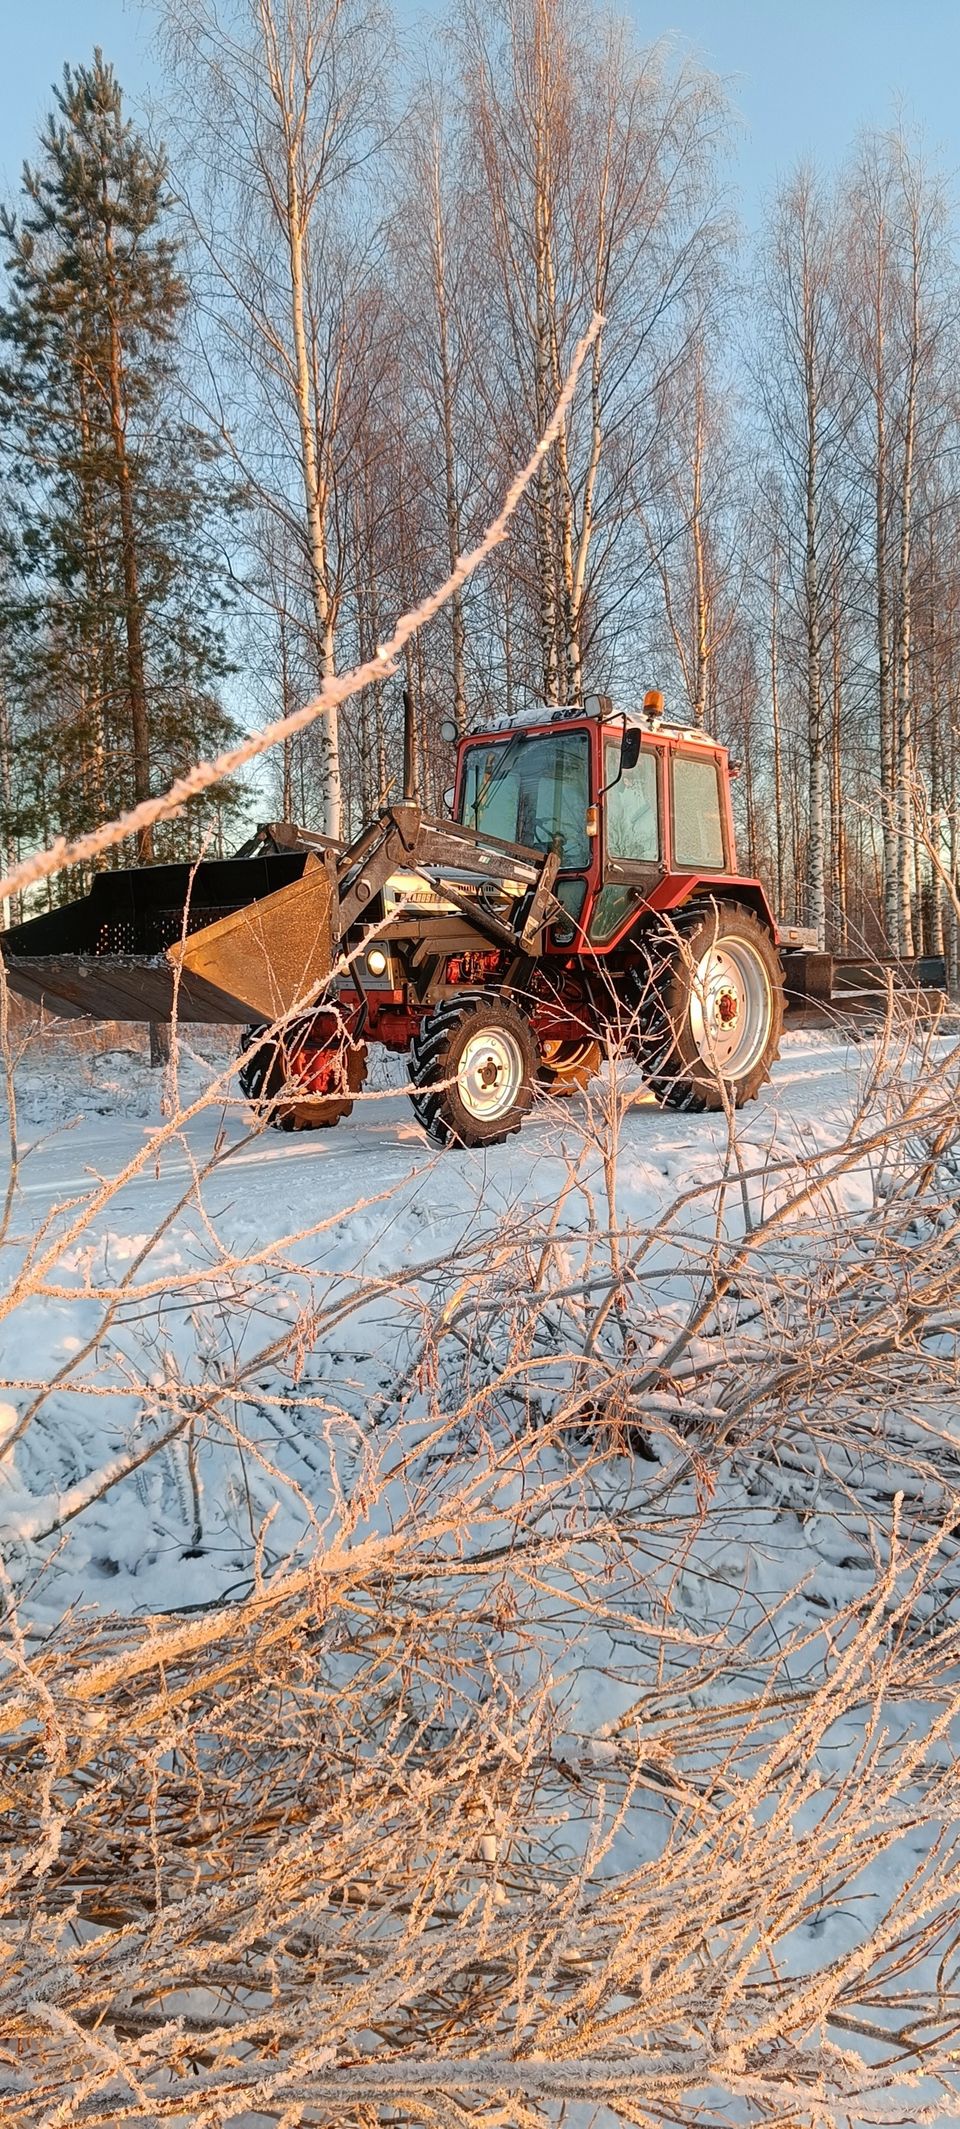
376, 961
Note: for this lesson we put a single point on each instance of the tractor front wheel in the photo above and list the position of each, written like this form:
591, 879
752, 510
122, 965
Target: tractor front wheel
474, 1066
712, 1010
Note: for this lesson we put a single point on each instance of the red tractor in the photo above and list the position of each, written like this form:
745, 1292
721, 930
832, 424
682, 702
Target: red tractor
587, 888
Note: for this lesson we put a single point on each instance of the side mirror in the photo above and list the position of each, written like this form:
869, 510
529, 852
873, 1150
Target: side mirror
448, 730
630, 741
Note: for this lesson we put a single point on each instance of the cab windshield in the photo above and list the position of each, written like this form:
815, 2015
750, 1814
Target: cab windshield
531, 790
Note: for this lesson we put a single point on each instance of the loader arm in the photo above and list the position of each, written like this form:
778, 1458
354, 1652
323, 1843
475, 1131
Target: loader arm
249, 938
277, 954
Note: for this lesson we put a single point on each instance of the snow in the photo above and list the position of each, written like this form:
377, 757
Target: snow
224, 1351
211, 1226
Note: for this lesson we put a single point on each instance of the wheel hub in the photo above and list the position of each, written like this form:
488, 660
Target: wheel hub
730, 1007
490, 1074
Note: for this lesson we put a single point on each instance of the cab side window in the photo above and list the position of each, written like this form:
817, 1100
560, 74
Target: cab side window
697, 820
633, 825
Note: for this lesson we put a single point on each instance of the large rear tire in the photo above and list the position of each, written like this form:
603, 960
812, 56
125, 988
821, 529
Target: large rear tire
712, 1009
300, 1081
474, 1065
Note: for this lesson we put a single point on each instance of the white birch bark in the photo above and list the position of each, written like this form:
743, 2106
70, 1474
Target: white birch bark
292, 119
458, 633
905, 756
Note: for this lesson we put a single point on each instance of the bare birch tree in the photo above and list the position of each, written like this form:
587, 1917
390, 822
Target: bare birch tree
596, 162
873, 269
287, 104
899, 309
699, 527
920, 209
809, 404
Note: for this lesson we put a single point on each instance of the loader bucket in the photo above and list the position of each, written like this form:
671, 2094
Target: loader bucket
260, 960
248, 936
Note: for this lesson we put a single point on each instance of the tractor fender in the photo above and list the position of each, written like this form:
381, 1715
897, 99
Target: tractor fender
675, 889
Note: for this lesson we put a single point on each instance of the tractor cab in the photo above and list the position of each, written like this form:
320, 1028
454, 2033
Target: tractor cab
634, 808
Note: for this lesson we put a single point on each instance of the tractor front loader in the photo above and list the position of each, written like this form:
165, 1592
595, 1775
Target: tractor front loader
587, 887
299, 937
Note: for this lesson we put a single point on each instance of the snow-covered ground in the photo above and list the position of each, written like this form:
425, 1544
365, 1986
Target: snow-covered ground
223, 1235
720, 1366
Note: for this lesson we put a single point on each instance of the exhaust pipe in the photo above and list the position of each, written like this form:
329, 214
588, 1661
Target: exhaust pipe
411, 779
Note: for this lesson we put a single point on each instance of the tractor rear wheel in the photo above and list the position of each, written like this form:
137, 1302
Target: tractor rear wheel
303, 1079
712, 1010
568, 1067
474, 1065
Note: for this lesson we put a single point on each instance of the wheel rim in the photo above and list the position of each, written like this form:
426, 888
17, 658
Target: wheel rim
490, 1074
730, 1008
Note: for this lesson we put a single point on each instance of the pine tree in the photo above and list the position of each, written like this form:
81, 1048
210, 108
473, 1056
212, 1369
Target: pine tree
112, 616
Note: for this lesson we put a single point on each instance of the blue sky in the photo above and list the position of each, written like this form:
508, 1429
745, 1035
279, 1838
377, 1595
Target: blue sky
803, 75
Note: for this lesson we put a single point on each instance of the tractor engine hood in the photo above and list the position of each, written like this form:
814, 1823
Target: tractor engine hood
423, 890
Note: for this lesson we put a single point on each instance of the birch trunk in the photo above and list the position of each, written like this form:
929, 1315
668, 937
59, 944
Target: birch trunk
816, 903
952, 941
777, 740
286, 697
508, 682
562, 486
551, 571
888, 809
750, 799
875, 223
937, 807
295, 215
6, 792
838, 838
700, 588
316, 536
544, 499
576, 551
458, 633
905, 763
796, 843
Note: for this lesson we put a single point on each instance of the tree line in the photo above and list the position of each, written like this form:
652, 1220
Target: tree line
260, 385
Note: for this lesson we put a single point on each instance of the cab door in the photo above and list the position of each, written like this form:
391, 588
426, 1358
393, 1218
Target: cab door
632, 835
701, 830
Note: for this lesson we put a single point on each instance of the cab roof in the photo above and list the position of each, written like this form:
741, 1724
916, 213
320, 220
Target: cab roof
600, 709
